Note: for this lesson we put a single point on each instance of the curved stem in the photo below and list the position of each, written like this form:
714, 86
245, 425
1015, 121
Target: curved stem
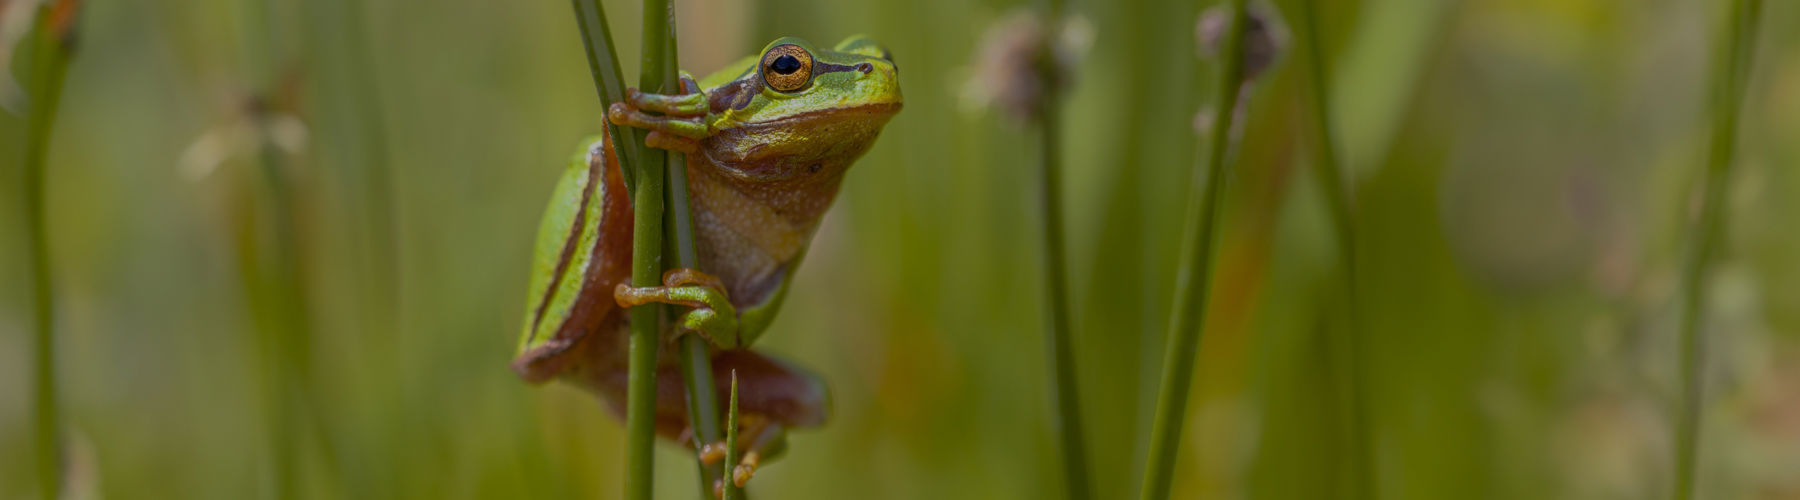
1733, 68
54, 32
1195, 275
1345, 346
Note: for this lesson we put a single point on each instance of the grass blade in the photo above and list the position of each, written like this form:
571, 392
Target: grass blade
1733, 57
1194, 276
1345, 346
1065, 389
53, 44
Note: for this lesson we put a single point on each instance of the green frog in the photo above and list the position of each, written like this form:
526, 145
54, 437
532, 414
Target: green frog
767, 142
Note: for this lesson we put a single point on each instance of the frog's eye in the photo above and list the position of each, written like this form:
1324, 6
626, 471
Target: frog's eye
787, 67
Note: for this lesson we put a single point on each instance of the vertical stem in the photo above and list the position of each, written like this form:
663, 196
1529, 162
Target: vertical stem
696, 356
643, 169
377, 174
1065, 393
270, 262
1193, 279
643, 173
1345, 346
54, 32
646, 270
1732, 61
731, 491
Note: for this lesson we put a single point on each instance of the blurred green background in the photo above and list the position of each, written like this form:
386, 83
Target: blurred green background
1522, 170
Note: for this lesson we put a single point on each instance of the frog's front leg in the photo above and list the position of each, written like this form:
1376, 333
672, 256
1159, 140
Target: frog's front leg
712, 316
678, 122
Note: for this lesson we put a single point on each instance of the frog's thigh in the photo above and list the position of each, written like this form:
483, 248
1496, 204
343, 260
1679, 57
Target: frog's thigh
771, 388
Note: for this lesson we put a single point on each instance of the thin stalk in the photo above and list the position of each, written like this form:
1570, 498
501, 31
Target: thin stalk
270, 260
696, 356
1346, 344
646, 269
1193, 279
281, 315
1065, 393
643, 172
377, 174
603, 65
54, 44
1733, 61
731, 431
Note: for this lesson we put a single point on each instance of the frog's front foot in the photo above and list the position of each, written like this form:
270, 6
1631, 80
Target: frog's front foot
676, 122
713, 316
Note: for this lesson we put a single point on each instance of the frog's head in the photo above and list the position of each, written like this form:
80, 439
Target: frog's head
801, 107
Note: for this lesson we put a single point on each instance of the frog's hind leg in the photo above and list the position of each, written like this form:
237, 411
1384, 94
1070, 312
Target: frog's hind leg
767, 442
763, 441
773, 396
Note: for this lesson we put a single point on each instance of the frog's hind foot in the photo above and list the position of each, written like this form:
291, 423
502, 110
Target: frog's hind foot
766, 440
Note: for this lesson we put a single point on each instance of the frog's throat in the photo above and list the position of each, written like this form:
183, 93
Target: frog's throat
799, 145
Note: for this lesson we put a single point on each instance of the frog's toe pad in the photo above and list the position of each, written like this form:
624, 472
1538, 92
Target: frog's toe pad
741, 474
712, 453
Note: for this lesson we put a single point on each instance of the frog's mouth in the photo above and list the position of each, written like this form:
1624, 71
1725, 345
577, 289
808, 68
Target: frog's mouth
831, 137
883, 110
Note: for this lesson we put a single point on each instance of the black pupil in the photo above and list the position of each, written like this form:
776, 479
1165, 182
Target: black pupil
786, 64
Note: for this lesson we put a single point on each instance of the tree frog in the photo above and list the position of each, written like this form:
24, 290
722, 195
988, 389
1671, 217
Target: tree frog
767, 142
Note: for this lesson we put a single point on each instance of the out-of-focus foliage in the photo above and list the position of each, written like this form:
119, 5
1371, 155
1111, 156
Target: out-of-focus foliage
1522, 173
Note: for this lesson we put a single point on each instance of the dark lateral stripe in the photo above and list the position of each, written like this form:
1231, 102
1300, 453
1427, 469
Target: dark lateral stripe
821, 68
568, 250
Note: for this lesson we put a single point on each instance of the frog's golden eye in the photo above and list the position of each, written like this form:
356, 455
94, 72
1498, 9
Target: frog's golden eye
787, 67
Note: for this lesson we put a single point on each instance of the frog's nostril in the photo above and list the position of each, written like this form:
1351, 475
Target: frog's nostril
865, 67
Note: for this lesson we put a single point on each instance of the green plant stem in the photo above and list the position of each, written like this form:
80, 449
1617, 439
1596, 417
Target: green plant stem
731, 433
49, 65
647, 239
270, 261
377, 179
646, 271
1066, 394
1065, 388
696, 356
1346, 345
603, 65
1734, 54
642, 169
1193, 279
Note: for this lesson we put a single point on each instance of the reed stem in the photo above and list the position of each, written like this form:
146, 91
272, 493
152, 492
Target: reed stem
1193, 279
731, 491
609, 85
53, 46
647, 251
1346, 345
696, 355
1065, 388
1732, 61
